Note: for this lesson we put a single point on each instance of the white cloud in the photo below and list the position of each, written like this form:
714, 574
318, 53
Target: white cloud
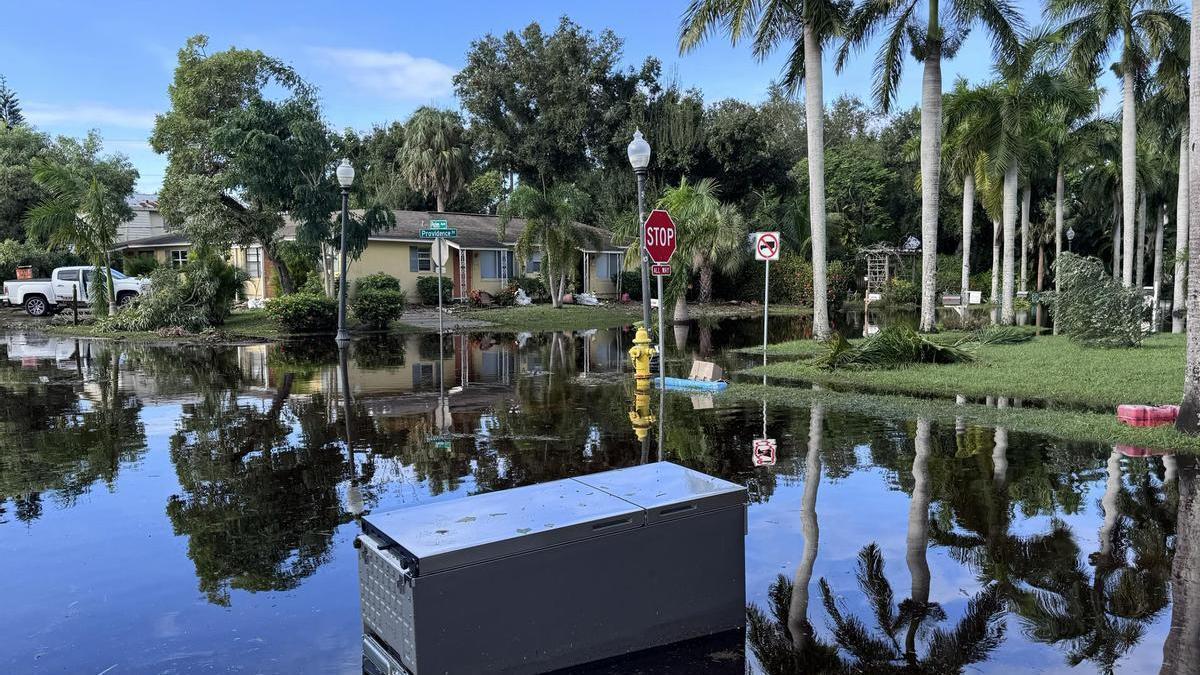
396, 74
91, 115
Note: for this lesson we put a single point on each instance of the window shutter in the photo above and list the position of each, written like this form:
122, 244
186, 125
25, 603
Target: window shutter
413, 266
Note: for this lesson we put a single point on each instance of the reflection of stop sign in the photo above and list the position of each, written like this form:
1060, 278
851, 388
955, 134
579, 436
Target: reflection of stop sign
660, 236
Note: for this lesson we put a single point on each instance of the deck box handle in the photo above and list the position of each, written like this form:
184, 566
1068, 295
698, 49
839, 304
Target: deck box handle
612, 523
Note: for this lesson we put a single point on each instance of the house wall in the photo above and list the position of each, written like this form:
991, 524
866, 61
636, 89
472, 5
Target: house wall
145, 223
258, 286
477, 280
597, 284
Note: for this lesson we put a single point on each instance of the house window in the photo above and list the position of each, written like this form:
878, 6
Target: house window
179, 257
608, 265
254, 262
489, 264
534, 264
420, 259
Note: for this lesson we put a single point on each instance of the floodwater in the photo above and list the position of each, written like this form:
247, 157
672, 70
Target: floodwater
187, 509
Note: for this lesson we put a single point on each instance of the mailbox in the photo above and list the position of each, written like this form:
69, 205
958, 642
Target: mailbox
553, 575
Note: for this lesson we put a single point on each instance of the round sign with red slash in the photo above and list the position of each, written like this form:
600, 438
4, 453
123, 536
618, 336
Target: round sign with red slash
766, 246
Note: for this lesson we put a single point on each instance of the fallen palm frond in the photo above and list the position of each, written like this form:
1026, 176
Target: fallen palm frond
1000, 335
889, 348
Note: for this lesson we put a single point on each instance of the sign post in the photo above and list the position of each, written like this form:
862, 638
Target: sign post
439, 253
661, 241
766, 249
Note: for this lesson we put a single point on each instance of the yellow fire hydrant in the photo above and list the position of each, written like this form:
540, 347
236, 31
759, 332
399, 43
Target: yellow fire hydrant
640, 353
640, 416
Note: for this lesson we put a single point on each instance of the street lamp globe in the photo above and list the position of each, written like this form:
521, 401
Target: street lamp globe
345, 174
1070, 234
639, 151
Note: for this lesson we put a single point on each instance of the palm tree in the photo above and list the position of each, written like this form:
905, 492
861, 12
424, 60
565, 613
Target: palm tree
806, 27
712, 235
551, 217
1181, 652
1189, 412
960, 161
1062, 126
82, 210
1140, 30
928, 41
1003, 118
436, 155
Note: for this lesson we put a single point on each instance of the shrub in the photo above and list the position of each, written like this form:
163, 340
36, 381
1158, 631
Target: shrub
535, 288
378, 307
505, 297
139, 265
378, 282
901, 292
304, 313
14, 254
1093, 308
631, 283
949, 273
196, 296
427, 289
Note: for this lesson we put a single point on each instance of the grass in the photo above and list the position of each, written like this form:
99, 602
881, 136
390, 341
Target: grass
1048, 368
578, 317
1061, 424
251, 324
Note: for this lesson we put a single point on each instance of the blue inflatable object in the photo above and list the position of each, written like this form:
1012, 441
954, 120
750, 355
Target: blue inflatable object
680, 383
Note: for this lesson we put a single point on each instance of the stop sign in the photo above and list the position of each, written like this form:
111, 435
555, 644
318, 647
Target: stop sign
660, 236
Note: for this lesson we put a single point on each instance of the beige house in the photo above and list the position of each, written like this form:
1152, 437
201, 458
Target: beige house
480, 259
172, 249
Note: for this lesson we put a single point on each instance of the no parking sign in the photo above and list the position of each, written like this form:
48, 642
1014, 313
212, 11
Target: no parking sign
766, 246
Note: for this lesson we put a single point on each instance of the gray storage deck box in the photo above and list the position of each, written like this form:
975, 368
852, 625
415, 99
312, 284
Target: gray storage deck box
557, 574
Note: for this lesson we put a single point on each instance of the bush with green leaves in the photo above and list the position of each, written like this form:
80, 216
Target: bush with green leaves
378, 300
194, 297
631, 283
900, 292
304, 312
139, 265
534, 287
1091, 307
427, 289
14, 254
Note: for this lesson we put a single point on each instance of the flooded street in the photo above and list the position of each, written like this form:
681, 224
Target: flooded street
185, 509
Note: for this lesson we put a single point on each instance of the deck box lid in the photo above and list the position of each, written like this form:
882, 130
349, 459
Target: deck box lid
456, 532
666, 490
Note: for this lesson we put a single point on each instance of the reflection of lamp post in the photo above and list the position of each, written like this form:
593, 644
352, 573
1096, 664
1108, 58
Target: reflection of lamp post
639, 159
1070, 237
345, 178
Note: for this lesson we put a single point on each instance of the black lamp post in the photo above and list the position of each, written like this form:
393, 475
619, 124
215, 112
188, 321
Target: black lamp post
345, 178
639, 159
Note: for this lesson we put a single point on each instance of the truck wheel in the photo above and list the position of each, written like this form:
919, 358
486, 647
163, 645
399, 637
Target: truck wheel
125, 297
36, 305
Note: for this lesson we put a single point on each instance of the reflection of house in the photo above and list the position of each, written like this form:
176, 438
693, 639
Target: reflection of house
480, 259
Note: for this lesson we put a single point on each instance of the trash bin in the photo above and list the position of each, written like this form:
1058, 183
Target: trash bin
552, 575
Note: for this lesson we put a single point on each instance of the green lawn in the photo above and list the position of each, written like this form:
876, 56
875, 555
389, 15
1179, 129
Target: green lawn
1045, 368
1062, 424
579, 317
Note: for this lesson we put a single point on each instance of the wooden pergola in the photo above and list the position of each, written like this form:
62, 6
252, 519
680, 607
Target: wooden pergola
886, 262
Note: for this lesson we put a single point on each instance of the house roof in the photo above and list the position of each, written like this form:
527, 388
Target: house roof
142, 200
156, 241
475, 230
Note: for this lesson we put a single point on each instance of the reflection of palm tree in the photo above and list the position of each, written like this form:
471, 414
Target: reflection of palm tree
1181, 652
977, 633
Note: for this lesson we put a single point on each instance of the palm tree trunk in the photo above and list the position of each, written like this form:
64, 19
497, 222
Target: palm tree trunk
1156, 272
1181, 651
997, 272
814, 108
931, 169
1189, 411
1010, 235
681, 308
1060, 191
706, 282
441, 201
1041, 267
1179, 292
1117, 238
1128, 172
112, 300
918, 534
1139, 262
798, 624
968, 219
1025, 248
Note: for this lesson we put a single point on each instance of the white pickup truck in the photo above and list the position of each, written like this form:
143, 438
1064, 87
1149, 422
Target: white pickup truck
40, 297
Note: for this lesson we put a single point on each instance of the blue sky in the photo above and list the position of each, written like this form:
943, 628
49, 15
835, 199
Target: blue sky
106, 65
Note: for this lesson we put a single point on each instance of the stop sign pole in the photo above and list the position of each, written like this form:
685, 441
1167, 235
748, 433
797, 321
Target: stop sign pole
661, 241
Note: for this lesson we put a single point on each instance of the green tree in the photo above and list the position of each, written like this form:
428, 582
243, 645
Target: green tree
1139, 31
551, 228
928, 41
19, 146
436, 157
236, 159
805, 29
10, 106
83, 207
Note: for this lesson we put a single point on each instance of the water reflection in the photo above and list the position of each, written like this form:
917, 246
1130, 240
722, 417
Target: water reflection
875, 545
